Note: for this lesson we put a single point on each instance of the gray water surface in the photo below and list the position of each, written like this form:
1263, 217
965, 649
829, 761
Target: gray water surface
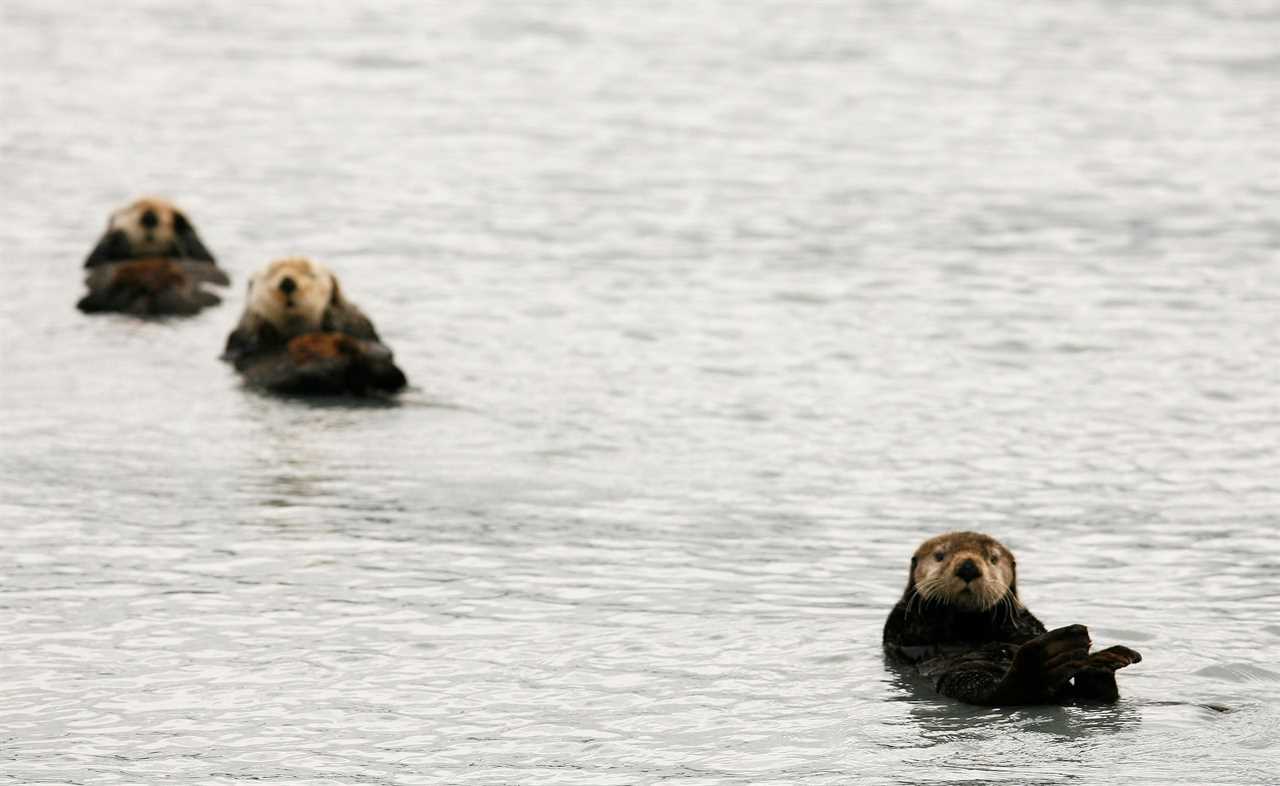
712, 312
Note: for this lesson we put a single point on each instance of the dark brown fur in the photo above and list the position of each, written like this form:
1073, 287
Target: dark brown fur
323, 364
314, 347
150, 287
151, 275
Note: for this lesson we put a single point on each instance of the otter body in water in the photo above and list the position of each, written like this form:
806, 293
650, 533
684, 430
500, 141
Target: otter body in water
961, 623
299, 334
150, 261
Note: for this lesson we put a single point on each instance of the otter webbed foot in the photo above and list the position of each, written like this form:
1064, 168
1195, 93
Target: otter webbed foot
1097, 680
1043, 666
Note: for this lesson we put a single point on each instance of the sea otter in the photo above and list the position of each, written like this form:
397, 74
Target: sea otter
961, 623
298, 334
150, 261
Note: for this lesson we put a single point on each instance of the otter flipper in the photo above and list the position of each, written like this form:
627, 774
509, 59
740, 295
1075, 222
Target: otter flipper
1097, 680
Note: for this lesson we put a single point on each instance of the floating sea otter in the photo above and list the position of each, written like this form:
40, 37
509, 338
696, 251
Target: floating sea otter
150, 261
961, 623
299, 334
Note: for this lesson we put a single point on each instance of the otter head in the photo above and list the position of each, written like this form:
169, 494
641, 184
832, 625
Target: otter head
149, 227
967, 570
293, 295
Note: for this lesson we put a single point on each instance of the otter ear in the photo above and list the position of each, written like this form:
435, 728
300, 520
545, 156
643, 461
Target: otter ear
113, 246
187, 241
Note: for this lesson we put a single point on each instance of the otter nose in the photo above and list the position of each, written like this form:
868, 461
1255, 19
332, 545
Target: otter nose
149, 219
968, 570
287, 285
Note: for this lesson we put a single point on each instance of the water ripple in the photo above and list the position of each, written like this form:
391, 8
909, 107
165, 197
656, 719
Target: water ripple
713, 311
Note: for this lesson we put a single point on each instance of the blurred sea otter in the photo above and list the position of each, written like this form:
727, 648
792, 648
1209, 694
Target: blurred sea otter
298, 334
961, 624
150, 261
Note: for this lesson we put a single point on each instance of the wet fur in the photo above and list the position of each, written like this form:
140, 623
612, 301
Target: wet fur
310, 339
324, 364
151, 287
271, 318
150, 262
984, 646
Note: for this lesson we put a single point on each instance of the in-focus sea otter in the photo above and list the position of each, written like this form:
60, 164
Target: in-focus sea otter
298, 334
150, 261
961, 623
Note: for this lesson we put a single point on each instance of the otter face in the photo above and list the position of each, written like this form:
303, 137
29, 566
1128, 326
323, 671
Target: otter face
292, 294
150, 225
967, 570
145, 229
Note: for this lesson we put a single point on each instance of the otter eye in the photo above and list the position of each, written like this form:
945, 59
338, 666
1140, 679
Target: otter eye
995, 558
938, 555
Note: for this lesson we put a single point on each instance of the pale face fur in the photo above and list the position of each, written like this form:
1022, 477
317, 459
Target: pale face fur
149, 224
941, 565
292, 309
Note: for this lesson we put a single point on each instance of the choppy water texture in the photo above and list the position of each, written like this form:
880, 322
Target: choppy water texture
713, 310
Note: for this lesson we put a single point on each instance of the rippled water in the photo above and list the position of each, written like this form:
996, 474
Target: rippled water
713, 311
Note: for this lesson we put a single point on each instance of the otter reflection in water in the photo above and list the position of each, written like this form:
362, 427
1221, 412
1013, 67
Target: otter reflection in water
961, 623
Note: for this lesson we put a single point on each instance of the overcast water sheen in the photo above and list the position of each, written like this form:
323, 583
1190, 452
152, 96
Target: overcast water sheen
712, 311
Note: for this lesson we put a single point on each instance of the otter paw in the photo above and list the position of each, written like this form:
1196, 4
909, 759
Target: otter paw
1113, 658
1097, 680
1043, 665
1056, 655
